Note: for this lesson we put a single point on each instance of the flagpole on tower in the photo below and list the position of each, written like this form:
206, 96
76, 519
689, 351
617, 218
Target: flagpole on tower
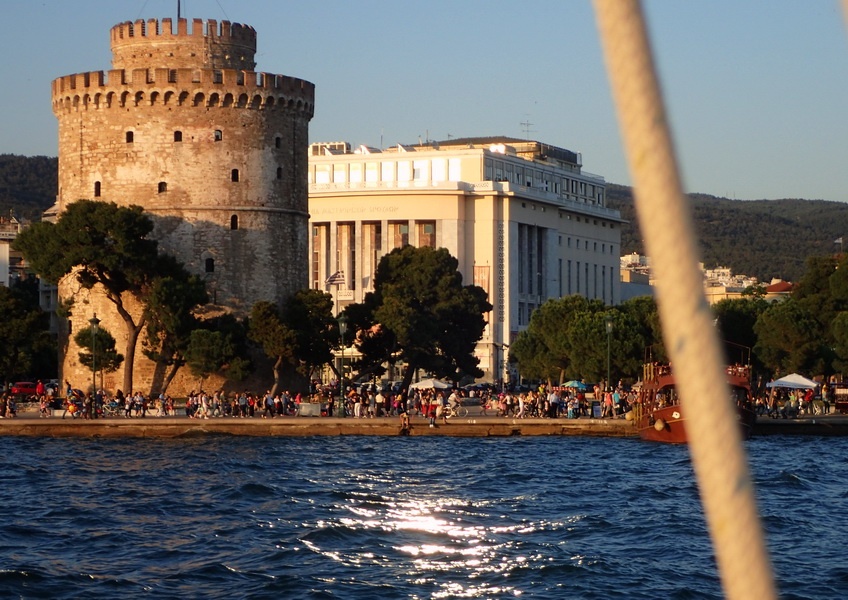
179, 12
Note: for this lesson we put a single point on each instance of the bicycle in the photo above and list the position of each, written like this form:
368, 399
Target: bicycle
458, 410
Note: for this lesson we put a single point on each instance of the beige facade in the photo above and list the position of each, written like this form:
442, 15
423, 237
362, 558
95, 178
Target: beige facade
521, 217
215, 152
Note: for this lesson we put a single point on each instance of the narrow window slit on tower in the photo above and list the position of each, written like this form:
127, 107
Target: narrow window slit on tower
129, 137
234, 222
235, 175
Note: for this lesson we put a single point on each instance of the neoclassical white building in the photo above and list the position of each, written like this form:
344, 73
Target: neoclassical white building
523, 219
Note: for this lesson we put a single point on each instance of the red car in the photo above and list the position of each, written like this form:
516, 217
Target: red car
23, 388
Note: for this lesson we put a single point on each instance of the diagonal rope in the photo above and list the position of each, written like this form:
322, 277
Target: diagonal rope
712, 429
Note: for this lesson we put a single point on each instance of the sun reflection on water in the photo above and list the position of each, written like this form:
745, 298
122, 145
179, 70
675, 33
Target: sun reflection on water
448, 544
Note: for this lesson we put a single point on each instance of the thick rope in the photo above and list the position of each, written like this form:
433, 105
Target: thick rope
712, 426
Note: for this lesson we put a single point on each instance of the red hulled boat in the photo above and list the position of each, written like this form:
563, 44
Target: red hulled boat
658, 415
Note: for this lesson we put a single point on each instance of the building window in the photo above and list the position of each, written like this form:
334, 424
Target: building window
163, 187
96, 189
426, 234
130, 137
178, 136
234, 222
234, 175
210, 265
279, 172
219, 135
278, 142
398, 234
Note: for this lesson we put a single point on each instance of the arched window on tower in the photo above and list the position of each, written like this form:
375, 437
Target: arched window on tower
219, 135
279, 172
130, 137
178, 136
96, 189
234, 222
235, 175
163, 187
278, 142
210, 265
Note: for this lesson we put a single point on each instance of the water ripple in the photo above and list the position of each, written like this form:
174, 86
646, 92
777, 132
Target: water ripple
341, 518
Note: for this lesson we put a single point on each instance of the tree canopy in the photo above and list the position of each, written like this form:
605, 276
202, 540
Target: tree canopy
100, 243
420, 313
300, 334
24, 340
567, 338
171, 301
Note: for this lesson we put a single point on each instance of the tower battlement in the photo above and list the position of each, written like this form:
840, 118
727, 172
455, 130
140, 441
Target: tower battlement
204, 44
182, 87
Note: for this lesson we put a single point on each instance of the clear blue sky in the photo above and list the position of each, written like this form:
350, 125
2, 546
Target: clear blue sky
756, 91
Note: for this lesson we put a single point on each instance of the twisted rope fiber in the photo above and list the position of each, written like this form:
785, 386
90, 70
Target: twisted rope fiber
712, 429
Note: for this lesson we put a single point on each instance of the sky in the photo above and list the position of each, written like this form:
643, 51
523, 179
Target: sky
755, 91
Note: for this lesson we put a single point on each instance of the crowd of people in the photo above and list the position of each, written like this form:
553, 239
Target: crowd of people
788, 403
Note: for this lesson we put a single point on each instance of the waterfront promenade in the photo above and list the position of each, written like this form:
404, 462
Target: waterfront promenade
31, 425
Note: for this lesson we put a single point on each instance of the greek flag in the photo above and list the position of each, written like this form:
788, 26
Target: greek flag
336, 278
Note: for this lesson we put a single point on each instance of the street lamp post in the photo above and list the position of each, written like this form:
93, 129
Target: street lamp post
609, 341
342, 331
94, 322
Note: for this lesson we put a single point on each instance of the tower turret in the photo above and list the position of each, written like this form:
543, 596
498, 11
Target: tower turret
209, 44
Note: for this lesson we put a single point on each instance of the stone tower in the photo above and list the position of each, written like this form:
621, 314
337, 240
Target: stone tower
214, 151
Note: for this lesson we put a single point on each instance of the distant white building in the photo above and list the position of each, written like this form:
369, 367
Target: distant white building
523, 219
720, 283
10, 261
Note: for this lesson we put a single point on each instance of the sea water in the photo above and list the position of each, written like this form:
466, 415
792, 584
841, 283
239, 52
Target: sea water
378, 517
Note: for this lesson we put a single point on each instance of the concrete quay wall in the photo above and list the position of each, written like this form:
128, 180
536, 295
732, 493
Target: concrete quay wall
30, 425
175, 427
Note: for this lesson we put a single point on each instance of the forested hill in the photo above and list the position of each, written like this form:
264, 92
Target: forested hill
763, 238
28, 185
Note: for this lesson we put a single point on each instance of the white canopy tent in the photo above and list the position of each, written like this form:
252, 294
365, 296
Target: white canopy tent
428, 384
794, 381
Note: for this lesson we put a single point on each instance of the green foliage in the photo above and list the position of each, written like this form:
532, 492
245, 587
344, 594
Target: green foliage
736, 319
220, 347
208, 352
107, 244
102, 244
309, 314
171, 300
104, 357
764, 238
567, 339
300, 334
789, 339
24, 340
28, 185
423, 314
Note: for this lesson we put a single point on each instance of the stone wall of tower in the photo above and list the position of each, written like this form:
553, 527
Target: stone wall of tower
217, 156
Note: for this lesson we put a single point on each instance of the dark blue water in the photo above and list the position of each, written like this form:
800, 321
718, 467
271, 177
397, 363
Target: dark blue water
399, 518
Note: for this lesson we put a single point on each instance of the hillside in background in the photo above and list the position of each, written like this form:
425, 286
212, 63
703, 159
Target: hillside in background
28, 185
763, 238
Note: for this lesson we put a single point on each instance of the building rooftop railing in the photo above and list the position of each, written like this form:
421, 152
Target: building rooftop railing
530, 193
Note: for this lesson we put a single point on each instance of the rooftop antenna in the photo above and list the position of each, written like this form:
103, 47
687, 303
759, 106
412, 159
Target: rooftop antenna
525, 126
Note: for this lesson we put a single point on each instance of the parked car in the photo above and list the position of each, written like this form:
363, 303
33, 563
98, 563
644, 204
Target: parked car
23, 388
